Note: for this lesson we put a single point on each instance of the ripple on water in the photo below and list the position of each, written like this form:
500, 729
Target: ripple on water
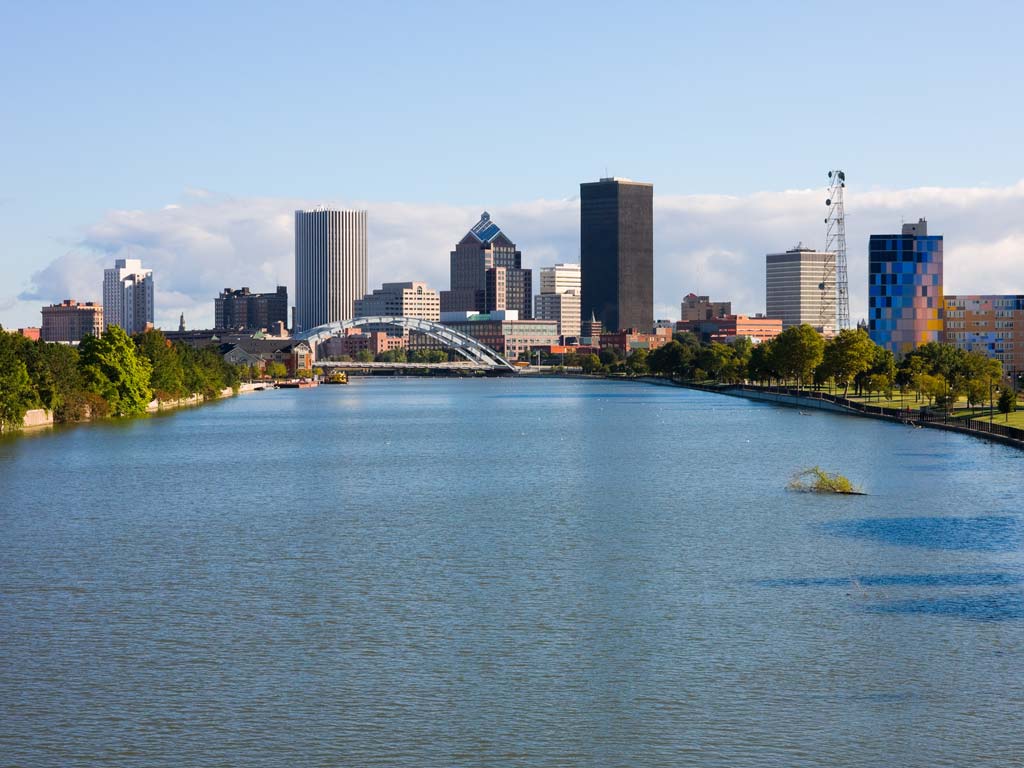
999, 606
903, 580
995, 533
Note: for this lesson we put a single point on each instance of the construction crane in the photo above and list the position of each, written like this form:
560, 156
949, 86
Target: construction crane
835, 304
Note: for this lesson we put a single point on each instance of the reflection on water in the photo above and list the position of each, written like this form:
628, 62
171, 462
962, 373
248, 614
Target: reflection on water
996, 533
1002, 606
904, 580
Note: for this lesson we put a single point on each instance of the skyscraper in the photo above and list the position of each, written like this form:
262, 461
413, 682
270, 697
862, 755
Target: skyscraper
800, 288
330, 265
905, 288
487, 273
128, 295
617, 253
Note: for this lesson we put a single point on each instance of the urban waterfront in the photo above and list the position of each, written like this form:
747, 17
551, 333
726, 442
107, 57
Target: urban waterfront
409, 572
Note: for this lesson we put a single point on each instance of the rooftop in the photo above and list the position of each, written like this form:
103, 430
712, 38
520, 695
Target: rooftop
485, 230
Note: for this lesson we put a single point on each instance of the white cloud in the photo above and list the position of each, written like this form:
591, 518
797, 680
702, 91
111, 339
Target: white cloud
709, 244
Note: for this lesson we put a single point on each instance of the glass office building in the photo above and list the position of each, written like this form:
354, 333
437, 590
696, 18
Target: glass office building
905, 288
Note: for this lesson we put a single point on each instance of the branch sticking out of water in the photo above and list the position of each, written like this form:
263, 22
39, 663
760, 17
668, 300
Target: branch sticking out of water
817, 480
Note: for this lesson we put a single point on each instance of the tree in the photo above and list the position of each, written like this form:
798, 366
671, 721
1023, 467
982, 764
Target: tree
16, 393
846, 355
934, 387
761, 366
637, 362
112, 369
716, 360
1007, 402
364, 356
673, 359
590, 363
797, 351
304, 373
276, 370
167, 379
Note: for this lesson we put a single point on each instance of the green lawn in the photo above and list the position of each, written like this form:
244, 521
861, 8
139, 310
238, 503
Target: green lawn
1016, 419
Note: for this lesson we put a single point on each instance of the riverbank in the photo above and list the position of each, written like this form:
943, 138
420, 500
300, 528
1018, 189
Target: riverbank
40, 418
826, 402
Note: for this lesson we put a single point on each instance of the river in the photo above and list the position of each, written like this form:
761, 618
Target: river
428, 572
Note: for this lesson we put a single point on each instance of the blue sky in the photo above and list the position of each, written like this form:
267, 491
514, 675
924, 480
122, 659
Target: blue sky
110, 108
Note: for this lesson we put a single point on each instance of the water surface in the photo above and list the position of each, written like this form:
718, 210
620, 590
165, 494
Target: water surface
507, 572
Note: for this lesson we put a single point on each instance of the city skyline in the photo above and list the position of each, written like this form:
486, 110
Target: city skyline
87, 179
705, 244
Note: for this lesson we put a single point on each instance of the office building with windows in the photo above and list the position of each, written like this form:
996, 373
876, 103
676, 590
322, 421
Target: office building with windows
128, 296
992, 325
330, 265
800, 288
617, 253
905, 288
694, 308
71, 320
247, 311
560, 299
412, 299
487, 273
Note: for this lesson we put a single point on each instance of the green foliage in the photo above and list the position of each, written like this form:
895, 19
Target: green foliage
673, 359
797, 352
1007, 402
427, 356
847, 355
277, 370
392, 356
16, 393
364, 356
590, 363
637, 362
167, 379
112, 369
817, 480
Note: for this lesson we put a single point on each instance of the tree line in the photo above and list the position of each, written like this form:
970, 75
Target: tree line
936, 374
107, 375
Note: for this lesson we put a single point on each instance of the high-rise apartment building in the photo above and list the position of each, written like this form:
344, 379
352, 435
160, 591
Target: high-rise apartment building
617, 253
992, 325
330, 265
487, 273
71, 320
800, 288
905, 288
560, 298
244, 310
128, 296
413, 299
695, 308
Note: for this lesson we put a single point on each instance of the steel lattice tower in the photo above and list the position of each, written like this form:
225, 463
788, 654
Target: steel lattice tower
835, 244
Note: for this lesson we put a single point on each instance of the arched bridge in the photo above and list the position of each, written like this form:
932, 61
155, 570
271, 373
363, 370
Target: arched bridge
467, 346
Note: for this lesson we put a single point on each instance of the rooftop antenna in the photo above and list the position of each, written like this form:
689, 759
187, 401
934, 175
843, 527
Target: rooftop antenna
835, 306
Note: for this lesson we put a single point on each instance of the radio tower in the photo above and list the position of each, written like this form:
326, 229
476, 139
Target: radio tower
835, 244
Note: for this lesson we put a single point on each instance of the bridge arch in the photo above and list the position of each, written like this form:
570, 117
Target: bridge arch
467, 346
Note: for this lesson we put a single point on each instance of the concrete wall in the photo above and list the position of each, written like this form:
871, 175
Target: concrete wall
38, 417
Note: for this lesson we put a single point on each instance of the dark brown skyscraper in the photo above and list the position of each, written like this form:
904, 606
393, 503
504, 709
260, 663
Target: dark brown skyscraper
617, 253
